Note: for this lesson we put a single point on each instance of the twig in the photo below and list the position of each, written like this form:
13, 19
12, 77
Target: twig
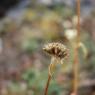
78, 24
75, 68
47, 85
76, 61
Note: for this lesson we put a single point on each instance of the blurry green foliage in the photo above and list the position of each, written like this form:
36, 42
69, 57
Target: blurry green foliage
30, 45
15, 87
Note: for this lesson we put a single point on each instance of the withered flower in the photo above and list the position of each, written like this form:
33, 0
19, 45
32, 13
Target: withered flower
56, 50
58, 53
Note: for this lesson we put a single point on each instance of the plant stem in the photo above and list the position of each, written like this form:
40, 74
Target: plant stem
75, 68
78, 24
47, 85
76, 61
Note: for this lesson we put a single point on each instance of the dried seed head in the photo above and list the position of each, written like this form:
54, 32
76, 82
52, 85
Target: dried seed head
56, 49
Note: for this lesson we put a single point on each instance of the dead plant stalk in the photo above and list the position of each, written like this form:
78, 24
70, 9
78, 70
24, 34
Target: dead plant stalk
76, 59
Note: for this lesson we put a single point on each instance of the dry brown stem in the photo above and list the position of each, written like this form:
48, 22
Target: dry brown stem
76, 61
47, 85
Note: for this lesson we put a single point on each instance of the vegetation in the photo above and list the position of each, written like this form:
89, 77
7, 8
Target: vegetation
23, 63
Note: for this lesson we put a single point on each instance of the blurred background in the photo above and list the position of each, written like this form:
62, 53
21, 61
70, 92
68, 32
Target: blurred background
25, 26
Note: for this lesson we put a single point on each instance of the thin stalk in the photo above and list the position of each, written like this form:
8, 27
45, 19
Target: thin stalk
76, 61
47, 85
78, 24
75, 68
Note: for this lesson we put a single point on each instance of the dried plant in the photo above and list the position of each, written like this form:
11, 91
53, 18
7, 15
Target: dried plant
76, 59
58, 53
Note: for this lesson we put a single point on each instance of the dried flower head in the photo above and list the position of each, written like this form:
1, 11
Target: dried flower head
58, 52
56, 49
